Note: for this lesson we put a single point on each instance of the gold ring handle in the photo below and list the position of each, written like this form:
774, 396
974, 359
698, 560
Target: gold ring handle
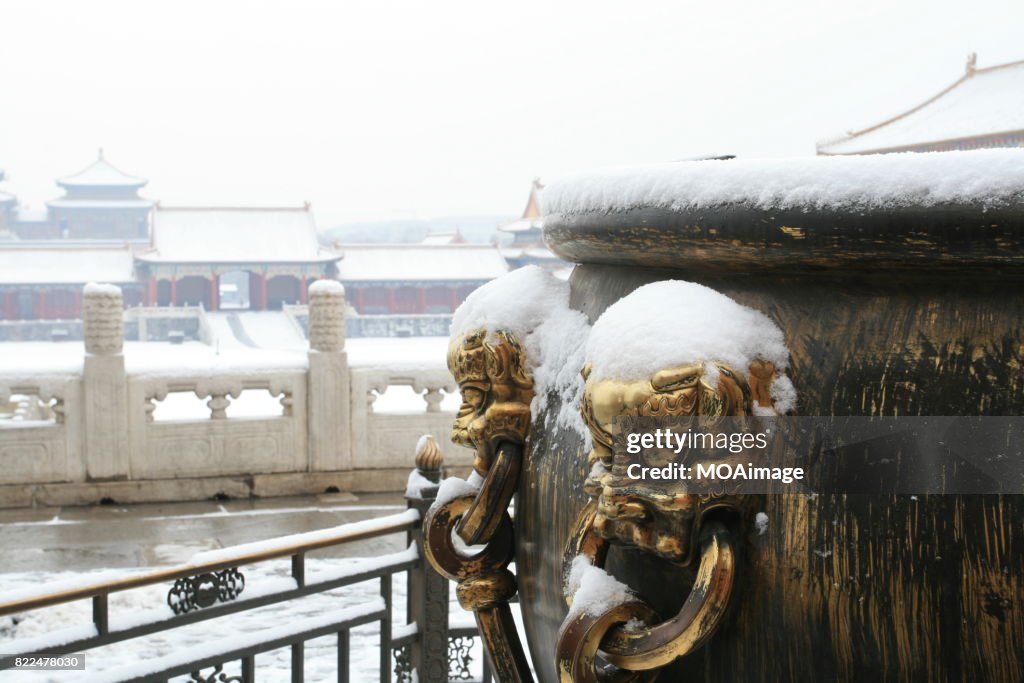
649, 648
697, 620
481, 520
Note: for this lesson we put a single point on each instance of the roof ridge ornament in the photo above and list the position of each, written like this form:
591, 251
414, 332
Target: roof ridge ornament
972, 63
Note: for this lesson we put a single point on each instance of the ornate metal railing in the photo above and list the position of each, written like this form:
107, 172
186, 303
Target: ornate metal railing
213, 585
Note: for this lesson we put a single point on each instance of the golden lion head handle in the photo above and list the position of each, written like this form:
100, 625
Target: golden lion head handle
667, 521
494, 420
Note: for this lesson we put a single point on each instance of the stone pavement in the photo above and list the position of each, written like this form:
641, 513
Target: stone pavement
121, 536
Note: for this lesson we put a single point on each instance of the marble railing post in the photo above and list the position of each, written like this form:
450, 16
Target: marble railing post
329, 413
104, 383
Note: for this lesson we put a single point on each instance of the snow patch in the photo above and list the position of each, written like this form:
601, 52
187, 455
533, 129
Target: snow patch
669, 323
421, 443
215, 647
416, 483
101, 288
452, 488
281, 543
593, 590
783, 394
517, 302
533, 305
634, 625
327, 286
83, 582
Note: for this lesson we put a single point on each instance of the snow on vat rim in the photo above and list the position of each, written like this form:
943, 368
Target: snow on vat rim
673, 322
989, 178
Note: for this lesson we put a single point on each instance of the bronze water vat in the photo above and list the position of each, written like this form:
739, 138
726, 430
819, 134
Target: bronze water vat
912, 304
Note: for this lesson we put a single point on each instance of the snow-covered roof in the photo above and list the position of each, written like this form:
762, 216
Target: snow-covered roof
24, 214
523, 225
64, 265
101, 174
987, 177
235, 235
983, 102
419, 262
65, 202
446, 237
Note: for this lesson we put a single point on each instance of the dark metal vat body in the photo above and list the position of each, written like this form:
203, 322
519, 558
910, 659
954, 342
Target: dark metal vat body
915, 311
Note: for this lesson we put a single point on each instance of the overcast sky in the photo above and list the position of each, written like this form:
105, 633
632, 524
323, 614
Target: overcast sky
385, 109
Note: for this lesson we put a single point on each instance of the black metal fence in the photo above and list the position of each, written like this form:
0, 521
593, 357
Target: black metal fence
216, 587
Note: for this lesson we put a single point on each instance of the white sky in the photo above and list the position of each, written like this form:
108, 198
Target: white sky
385, 109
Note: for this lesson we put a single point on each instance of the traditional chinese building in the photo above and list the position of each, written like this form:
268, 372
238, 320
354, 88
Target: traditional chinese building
101, 230
527, 246
415, 278
268, 256
45, 282
8, 202
983, 108
100, 202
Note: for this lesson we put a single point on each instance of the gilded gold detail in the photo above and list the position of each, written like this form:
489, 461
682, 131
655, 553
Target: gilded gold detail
660, 517
429, 457
494, 420
496, 389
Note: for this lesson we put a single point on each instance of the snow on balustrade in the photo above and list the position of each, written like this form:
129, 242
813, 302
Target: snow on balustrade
254, 398
64, 359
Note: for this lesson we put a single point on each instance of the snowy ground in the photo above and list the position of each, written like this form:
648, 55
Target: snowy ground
320, 654
173, 533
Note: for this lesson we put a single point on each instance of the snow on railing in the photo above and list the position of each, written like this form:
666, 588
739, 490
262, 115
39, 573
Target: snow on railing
34, 597
212, 585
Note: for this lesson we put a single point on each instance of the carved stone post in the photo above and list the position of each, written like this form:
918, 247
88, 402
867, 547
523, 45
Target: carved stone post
428, 590
329, 413
105, 385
